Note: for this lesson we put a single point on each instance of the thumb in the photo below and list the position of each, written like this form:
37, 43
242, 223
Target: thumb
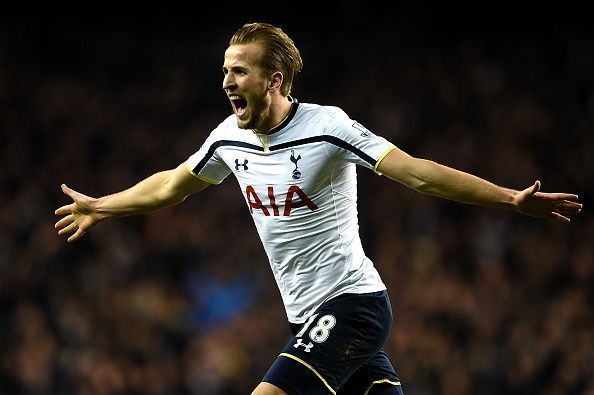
535, 188
65, 189
70, 192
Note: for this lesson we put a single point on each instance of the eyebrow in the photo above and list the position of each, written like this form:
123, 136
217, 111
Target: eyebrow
235, 68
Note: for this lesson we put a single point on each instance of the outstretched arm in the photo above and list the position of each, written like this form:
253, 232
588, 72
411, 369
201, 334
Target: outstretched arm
433, 179
160, 190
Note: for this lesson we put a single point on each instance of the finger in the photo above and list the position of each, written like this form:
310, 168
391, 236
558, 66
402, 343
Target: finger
567, 212
568, 197
67, 209
64, 221
564, 196
70, 228
571, 208
576, 207
70, 192
65, 189
559, 217
535, 187
564, 213
76, 235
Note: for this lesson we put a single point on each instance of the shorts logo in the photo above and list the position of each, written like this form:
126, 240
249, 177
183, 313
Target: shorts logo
319, 333
307, 346
296, 173
237, 164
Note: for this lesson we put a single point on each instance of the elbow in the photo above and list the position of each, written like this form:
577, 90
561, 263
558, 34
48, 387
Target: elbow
169, 198
424, 187
415, 183
423, 177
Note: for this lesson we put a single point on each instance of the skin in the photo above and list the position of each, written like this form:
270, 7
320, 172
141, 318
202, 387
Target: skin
268, 389
434, 179
266, 108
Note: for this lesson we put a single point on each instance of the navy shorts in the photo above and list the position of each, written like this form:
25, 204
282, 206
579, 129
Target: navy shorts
338, 350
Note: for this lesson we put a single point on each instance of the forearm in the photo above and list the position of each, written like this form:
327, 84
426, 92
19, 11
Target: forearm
434, 179
150, 194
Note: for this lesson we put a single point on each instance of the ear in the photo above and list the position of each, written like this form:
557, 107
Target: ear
276, 80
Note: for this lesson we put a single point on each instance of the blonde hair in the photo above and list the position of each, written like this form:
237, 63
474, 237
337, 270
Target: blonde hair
280, 52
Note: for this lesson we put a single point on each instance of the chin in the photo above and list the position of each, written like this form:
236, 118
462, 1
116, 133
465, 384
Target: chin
249, 123
243, 124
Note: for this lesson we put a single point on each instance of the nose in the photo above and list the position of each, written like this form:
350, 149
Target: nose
228, 81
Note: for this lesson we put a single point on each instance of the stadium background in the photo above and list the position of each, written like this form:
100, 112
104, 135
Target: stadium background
183, 301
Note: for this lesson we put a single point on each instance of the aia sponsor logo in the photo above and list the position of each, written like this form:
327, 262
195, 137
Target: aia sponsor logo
294, 198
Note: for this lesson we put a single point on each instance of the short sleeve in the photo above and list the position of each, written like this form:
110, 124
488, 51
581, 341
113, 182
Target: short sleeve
355, 143
206, 164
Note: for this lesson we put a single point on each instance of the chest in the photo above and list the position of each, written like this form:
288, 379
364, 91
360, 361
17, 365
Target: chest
282, 181
307, 166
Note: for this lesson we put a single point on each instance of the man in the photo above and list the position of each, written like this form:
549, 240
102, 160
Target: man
295, 164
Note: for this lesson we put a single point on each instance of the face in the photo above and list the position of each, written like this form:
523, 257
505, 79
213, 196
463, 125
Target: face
246, 85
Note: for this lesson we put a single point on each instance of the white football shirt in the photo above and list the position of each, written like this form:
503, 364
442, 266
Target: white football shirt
300, 185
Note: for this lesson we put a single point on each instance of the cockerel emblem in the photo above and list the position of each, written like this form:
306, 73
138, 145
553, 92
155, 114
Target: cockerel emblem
296, 173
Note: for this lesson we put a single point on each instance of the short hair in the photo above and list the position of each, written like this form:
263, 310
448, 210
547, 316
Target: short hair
280, 52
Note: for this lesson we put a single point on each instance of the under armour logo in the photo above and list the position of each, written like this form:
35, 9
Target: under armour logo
237, 164
296, 173
307, 347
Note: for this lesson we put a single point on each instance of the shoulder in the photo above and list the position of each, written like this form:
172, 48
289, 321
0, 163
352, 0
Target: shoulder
321, 111
322, 116
228, 127
225, 130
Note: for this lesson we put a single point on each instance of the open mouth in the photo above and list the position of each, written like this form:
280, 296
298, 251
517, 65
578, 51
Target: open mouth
239, 105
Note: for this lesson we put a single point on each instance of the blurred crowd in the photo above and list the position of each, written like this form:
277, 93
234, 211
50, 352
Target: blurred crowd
182, 301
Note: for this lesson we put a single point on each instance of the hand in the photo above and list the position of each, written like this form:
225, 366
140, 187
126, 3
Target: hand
78, 216
558, 206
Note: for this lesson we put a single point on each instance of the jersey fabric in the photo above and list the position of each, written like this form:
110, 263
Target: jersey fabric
300, 185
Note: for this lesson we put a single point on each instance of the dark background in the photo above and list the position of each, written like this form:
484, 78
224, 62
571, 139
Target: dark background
182, 301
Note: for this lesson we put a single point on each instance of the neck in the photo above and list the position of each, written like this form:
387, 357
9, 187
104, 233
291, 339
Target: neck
279, 110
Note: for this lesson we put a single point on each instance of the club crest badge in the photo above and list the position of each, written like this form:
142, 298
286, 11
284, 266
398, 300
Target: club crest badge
296, 173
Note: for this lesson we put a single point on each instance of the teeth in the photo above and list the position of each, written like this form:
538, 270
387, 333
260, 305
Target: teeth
234, 97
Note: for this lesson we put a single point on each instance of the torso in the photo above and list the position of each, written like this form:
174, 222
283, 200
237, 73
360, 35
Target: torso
299, 183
